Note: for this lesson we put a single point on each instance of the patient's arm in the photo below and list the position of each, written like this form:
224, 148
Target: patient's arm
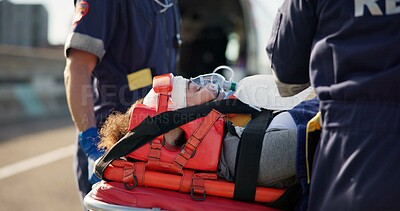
278, 154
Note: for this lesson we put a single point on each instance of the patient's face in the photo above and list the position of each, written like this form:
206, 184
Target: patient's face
196, 94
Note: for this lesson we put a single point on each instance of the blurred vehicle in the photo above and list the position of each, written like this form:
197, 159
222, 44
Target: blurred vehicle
226, 32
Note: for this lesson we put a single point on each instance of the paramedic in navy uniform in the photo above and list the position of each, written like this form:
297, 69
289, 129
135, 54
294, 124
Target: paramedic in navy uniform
114, 50
349, 51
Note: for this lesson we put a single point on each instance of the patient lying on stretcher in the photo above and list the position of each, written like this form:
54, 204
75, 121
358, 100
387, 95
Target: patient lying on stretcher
277, 162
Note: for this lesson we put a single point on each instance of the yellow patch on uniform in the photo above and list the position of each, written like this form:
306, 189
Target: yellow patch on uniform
140, 79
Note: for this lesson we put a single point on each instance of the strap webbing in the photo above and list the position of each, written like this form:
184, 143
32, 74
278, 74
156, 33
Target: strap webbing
151, 127
248, 157
195, 139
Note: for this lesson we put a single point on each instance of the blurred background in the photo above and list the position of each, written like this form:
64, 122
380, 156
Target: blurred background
36, 133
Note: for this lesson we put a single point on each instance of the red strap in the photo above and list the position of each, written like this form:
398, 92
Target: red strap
186, 181
118, 163
198, 188
129, 171
198, 184
162, 105
162, 85
195, 139
139, 172
208, 176
155, 149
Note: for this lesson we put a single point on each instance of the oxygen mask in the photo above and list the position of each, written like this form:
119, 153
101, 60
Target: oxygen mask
215, 81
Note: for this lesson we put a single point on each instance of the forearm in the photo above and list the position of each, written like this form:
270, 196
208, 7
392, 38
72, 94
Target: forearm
79, 94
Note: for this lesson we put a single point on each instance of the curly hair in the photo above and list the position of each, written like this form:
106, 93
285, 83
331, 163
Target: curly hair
115, 127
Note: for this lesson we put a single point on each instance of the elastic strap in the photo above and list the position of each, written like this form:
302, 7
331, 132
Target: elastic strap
248, 157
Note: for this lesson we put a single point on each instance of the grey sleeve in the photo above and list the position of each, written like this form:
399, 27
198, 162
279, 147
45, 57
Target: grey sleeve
226, 165
278, 157
277, 162
85, 43
94, 27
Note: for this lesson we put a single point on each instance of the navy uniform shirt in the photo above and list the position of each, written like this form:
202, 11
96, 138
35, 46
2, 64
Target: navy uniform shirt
126, 36
349, 48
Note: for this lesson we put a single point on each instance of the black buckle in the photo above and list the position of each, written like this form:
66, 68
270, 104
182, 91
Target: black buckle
192, 194
134, 184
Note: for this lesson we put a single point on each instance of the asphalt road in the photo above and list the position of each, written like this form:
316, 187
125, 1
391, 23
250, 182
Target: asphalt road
36, 170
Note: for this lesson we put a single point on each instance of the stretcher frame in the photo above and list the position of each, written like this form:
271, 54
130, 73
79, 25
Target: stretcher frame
96, 205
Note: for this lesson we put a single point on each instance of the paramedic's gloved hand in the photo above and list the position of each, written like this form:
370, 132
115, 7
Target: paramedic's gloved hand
89, 140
